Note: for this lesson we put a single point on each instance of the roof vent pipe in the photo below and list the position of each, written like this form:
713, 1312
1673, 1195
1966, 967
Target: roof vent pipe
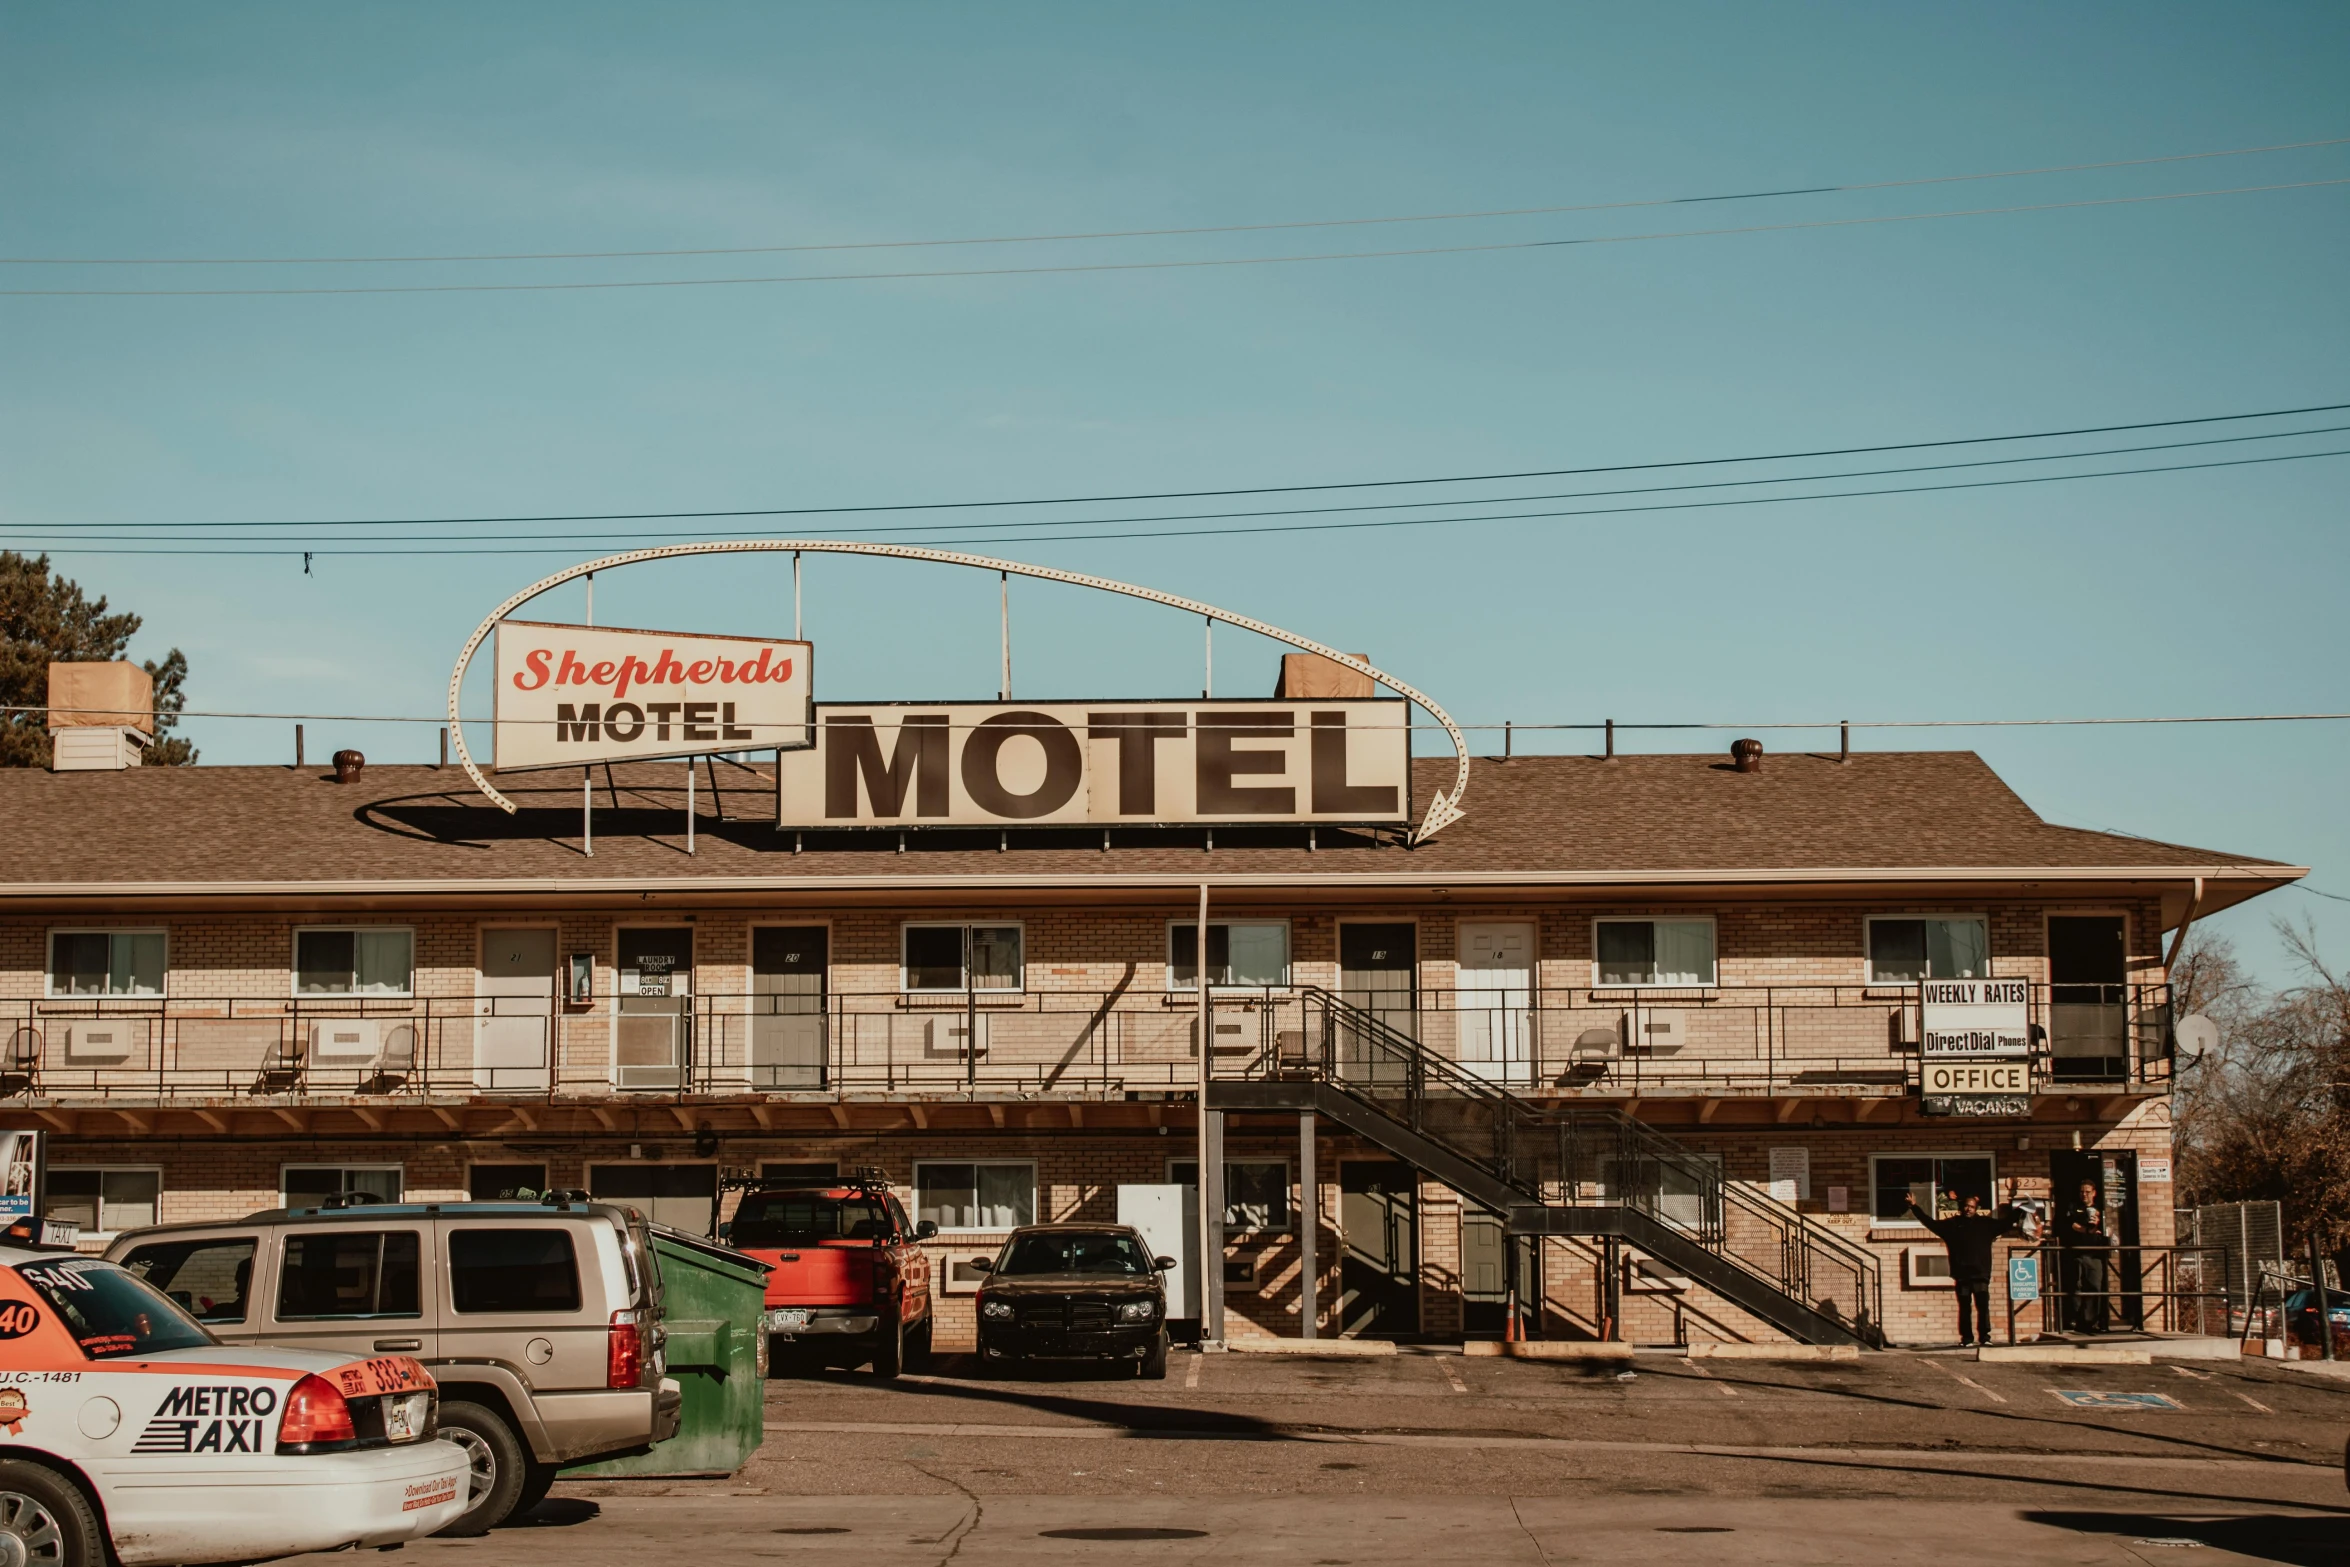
349, 765
1746, 755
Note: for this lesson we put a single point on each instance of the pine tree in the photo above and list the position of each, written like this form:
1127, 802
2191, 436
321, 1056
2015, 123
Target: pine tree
45, 619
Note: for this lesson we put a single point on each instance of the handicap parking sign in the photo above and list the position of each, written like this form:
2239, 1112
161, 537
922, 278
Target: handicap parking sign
2023, 1279
2080, 1399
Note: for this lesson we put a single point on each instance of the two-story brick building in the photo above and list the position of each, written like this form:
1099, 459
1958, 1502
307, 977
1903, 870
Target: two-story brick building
1674, 981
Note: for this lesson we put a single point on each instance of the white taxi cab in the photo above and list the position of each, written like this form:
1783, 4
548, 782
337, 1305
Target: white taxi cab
124, 1421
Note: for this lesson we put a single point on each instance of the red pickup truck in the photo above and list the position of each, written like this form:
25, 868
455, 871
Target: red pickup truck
851, 1285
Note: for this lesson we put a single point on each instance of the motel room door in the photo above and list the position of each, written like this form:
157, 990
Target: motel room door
788, 1021
1379, 1274
2088, 1014
514, 1025
1496, 1001
1378, 975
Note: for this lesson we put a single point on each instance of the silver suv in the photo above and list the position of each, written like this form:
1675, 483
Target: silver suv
542, 1322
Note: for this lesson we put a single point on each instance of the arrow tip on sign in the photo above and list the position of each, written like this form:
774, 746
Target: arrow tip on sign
1442, 813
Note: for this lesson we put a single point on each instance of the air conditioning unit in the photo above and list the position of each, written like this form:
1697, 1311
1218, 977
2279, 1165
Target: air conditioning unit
102, 1042
345, 1041
1656, 1031
950, 1037
649, 1051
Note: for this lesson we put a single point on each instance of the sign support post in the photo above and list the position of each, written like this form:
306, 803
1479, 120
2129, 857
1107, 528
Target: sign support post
1211, 1152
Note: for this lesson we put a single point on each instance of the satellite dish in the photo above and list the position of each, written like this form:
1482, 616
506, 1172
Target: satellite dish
2195, 1034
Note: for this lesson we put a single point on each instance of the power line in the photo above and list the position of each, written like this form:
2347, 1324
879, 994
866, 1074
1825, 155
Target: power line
1272, 489
1595, 727
559, 547
1198, 264
1152, 233
155, 531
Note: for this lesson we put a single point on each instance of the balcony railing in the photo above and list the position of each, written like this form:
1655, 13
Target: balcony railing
1729, 1040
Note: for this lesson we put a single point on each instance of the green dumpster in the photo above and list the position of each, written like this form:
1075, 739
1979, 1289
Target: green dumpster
711, 1300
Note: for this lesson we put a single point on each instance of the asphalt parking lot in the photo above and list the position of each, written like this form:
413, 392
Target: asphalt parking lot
1892, 1458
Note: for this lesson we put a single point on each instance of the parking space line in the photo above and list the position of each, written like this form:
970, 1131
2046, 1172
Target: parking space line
1969, 1381
2200, 1376
1723, 1388
1191, 1372
1453, 1376
2255, 1403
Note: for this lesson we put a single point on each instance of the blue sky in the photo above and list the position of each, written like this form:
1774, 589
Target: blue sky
243, 130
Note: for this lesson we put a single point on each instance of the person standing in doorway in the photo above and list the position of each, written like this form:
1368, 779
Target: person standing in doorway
2081, 1232
1967, 1236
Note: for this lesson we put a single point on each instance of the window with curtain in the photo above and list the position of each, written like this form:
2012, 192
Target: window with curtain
976, 1195
354, 962
1655, 952
1241, 953
1904, 951
106, 963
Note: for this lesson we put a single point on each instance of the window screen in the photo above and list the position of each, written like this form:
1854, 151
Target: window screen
363, 1273
936, 954
506, 1182
309, 1185
513, 1270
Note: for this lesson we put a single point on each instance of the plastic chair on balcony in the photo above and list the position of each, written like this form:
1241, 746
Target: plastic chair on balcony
281, 1073
20, 1069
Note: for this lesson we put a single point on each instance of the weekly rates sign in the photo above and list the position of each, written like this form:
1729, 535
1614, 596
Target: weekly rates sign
572, 694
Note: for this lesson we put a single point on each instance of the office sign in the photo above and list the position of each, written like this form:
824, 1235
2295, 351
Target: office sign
570, 694
999, 764
1974, 1017
1975, 1077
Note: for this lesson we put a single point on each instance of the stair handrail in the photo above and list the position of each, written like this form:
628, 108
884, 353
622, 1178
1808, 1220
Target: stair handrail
1803, 1242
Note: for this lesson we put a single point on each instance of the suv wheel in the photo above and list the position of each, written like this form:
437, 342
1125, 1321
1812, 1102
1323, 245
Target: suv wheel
537, 1480
497, 1460
1153, 1365
45, 1519
918, 1352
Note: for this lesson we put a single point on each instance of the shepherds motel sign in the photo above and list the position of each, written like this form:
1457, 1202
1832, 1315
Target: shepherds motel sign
574, 694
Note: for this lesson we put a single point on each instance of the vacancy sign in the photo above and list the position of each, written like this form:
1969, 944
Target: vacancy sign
1975, 1017
569, 694
1000, 764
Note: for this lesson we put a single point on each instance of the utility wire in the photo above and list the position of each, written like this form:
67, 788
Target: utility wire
1520, 726
1151, 233
560, 547
1199, 264
155, 531
1276, 489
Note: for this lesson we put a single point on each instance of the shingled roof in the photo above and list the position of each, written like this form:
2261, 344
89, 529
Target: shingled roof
1533, 820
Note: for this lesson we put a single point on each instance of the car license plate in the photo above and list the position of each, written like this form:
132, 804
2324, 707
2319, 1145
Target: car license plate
788, 1319
405, 1415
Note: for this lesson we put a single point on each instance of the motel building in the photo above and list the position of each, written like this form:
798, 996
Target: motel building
1639, 1046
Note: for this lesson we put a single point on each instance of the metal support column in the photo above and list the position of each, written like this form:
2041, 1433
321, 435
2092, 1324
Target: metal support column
689, 805
587, 814
1309, 1219
1211, 1150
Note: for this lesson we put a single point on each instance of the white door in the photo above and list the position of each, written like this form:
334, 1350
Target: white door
513, 1037
1496, 1000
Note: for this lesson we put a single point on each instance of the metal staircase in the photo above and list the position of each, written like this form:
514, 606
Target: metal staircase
1576, 1172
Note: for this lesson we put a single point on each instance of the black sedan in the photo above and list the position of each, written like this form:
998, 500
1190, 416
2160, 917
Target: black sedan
1076, 1292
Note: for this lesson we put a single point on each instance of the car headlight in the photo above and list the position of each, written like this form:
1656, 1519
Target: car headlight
1137, 1311
1000, 1310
